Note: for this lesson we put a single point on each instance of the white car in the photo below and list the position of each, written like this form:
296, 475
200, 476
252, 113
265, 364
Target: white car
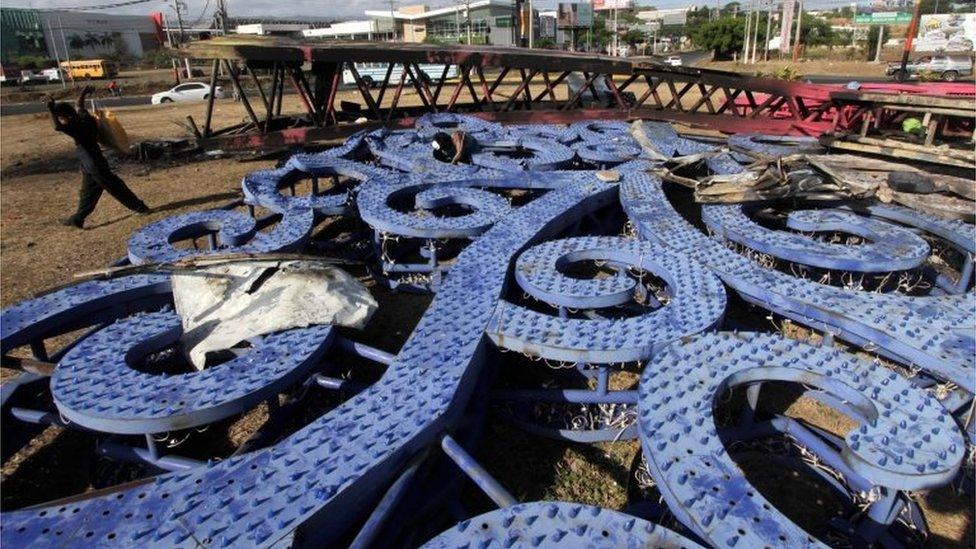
674, 61
53, 75
190, 91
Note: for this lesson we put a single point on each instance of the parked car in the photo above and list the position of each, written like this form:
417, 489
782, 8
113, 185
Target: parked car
28, 76
52, 75
945, 67
189, 91
673, 60
373, 73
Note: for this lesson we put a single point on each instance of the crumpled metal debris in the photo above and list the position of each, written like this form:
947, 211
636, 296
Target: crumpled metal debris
835, 177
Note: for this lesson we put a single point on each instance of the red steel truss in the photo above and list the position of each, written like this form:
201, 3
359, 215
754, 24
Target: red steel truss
504, 84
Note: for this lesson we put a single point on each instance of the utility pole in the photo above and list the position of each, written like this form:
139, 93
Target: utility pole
393, 20
853, 28
769, 29
531, 25
169, 38
799, 28
755, 31
222, 16
616, 43
67, 53
877, 52
179, 17
467, 15
912, 29
57, 56
748, 34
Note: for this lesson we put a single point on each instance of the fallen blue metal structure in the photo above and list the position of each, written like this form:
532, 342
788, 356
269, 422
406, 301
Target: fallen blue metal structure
557, 243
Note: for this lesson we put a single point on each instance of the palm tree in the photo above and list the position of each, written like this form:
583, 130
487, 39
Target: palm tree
91, 40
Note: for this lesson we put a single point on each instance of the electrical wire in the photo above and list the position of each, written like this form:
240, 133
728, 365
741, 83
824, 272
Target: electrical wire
201, 17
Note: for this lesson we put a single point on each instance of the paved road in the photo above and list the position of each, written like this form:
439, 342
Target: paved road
29, 108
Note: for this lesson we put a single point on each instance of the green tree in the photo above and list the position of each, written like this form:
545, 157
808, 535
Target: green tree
697, 16
816, 31
632, 36
601, 35
545, 43
723, 36
872, 48
730, 9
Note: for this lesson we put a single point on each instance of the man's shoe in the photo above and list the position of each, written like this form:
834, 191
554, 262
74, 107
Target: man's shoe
72, 222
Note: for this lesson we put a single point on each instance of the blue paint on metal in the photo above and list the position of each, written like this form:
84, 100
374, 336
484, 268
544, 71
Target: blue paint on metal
528, 153
929, 332
772, 146
411, 152
889, 247
904, 440
558, 524
697, 302
97, 386
351, 448
431, 123
466, 462
263, 187
486, 208
724, 163
304, 484
597, 131
235, 233
666, 141
609, 153
563, 134
79, 305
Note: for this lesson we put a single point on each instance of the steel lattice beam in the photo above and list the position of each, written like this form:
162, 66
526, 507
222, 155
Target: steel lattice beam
505, 84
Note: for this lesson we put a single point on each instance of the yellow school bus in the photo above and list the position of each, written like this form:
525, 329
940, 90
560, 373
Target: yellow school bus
89, 68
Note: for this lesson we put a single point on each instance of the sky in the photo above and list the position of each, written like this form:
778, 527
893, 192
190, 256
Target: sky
343, 9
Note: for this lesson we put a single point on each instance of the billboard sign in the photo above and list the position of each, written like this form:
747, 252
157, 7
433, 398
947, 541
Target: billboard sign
671, 19
785, 31
946, 32
883, 18
547, 27
574, 16
612, 4
584, 15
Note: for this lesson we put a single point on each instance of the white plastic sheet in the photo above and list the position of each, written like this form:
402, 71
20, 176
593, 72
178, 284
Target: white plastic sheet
226, 304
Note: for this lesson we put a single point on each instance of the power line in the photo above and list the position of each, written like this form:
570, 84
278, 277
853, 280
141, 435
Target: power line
201, 17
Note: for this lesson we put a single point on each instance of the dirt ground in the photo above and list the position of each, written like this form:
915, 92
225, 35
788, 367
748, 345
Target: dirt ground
38, 186
854, 69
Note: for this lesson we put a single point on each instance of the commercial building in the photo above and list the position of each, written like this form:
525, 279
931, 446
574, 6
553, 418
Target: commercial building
272, 29
666, 17
369, 29
479, 21
62, 34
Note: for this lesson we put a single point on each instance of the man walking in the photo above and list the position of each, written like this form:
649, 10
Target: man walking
97, 176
